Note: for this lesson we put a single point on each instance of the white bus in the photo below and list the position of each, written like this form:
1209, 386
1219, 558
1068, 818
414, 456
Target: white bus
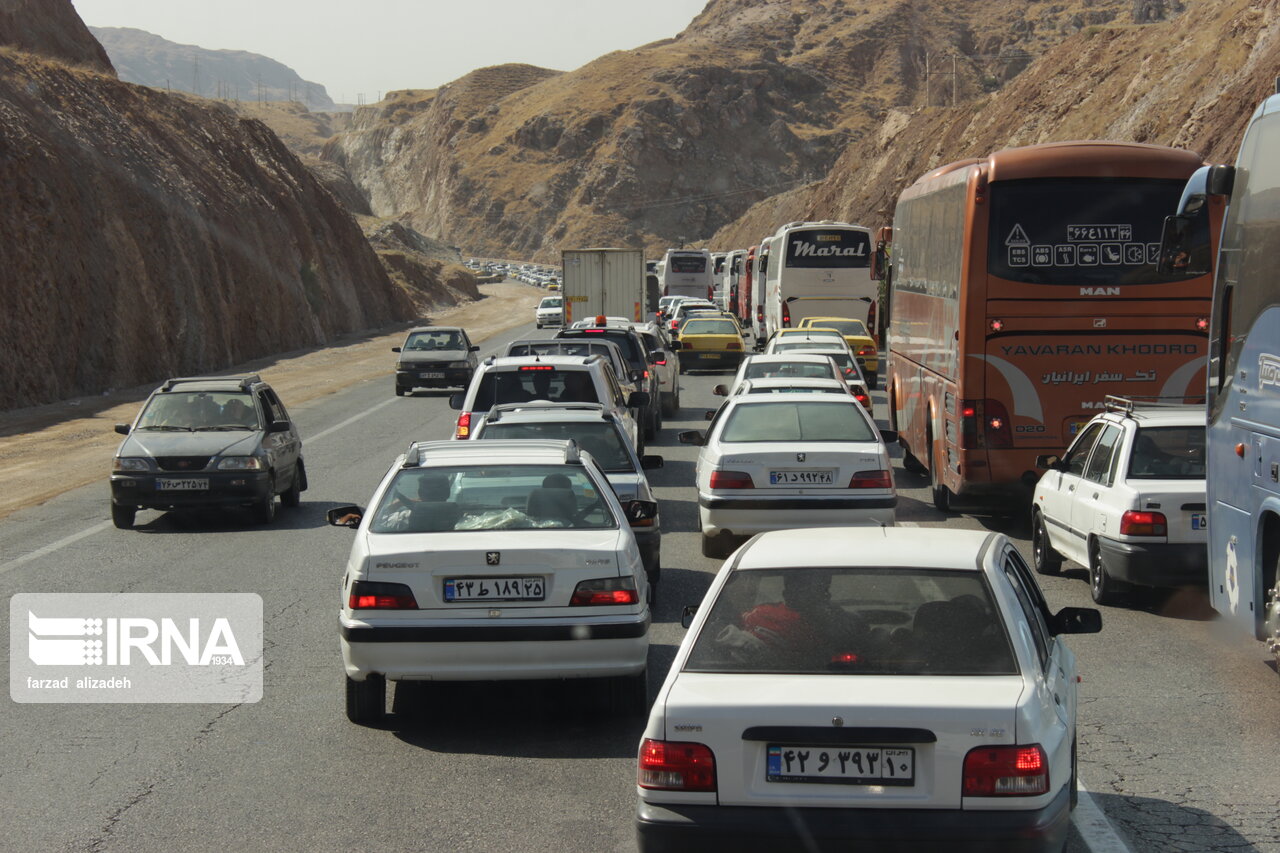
818, 269
687, 272
759, 289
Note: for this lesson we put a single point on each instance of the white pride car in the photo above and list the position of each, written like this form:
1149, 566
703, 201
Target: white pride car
490, 561
866, 688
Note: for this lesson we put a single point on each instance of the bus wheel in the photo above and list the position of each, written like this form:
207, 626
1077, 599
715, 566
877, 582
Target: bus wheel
941, 494
1271, 622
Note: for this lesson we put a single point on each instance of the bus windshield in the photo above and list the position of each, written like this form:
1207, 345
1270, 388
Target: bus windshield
1104, 231
828, 247
687, 263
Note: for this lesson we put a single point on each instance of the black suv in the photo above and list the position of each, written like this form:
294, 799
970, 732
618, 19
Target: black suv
637, 355
208, 441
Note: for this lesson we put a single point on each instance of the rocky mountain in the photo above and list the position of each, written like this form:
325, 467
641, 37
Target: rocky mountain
51, 29
1191, 81
146, 58
147, 235
673, 140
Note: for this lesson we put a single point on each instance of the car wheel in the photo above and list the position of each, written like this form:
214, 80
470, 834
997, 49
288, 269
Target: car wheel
717, 547
400, 390
669, 404
265, 509
629, 694
122, 516
366, 700
1102, 587
1047, 561
293, 496
910, 463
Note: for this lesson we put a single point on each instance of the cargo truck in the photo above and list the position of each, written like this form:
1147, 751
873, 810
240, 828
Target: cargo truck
609, 282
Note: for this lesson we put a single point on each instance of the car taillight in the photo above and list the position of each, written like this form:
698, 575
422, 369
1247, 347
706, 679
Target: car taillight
667, 765
786, 315
879, 479
864, 399
604, 591
731, 480
759, 315
673, 326
865, 351
1006, 771
660, 361
463, 429
1136, 523
984, 423
376, 595
734, 345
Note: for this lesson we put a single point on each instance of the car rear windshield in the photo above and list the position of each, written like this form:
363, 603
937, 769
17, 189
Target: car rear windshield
709, 327
195, 411
854, 621
551, 302
1168, 453
844, 327
536, 382
599, 438
624, 338
797, 421
491, 497
796, 389
768, 369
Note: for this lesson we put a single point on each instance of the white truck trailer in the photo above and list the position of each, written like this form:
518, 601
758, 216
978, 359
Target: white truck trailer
606, 281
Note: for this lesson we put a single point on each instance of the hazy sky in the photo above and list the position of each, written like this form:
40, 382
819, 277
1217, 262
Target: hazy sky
372, 46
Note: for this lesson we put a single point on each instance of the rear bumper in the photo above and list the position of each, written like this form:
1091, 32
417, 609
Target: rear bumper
702, 360
742, 828
226, 488
450, 377
748, 516
1157, 565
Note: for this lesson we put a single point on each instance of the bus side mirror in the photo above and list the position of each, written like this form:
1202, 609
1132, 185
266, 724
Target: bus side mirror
1221, 180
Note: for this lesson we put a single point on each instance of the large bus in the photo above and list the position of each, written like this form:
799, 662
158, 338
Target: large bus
720, 279
1025, 290
1243, 437
687, 272
821, 269
733, 277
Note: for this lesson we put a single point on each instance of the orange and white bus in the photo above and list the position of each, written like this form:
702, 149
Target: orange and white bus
1024, 291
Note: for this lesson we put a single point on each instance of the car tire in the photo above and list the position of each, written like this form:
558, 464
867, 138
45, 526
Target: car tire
910, 463
122, 516
265, 510
401, 390
366, 700
669, 404
293, 495
717, 547
629, 694
1103, 588
1046, 560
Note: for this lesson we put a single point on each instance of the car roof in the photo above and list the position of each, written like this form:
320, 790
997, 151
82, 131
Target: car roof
830, 547
523, 450
789, 355
508, 362
798, 397
211, 383
794, 381
543, 411
416, 329
1153, 412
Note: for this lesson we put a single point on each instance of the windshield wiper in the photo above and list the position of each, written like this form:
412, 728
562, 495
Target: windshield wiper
169, 428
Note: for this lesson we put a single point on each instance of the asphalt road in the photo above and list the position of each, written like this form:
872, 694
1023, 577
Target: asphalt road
1177, 724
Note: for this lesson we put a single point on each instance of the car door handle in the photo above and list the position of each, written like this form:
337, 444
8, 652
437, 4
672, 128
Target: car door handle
1071, 488
1095, 496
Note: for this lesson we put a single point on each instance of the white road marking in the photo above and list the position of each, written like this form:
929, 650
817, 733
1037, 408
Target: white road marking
53, 546
1098, 833
349, 421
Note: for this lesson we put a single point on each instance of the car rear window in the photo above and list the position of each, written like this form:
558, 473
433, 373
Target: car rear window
537, 382
625, 341
796, 389
709, 327
797, 421
491, 497
599, 438
854, 621
433, 341
1168, 453
844, 327
767, 369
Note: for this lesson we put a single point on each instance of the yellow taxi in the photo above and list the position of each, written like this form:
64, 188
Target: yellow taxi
856, 336
710, 342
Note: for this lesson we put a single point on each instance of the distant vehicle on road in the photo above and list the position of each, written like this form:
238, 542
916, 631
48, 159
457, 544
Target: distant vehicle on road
819, 269
435, 357
687, 272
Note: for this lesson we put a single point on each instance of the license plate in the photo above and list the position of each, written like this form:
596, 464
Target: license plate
708, 355
188, 485
432, 374
494, 589
811, 477
841, 765
1199, 521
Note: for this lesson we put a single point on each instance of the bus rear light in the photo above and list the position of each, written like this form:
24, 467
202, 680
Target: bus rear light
1136, 523
1006, 771
993, 419
676, 766
731, 480
871, 480
463, 429
997, 325
1202, 324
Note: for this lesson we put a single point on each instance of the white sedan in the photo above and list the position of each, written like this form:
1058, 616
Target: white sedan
770, 462
866, 688
494, 560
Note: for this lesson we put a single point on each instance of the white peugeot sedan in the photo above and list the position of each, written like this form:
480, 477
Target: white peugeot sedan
866, 688
491, 561
769, 462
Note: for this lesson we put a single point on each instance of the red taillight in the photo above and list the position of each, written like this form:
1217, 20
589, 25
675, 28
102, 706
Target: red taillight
984, 423
659, 361
673, 326
376, 595
864, 399
1006, 771
676, 766
760, 315
463, 429
537, 367
733, 345
866, 351
879, 479
731, 480
1136, 523
604, 591
786, 315
646, 374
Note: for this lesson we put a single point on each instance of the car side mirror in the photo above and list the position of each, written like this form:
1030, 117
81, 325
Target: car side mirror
473, 348
1076, 620
279, 426
456, 401
640, 510
687, 614
889, 435
123, 429
345, 516
720, 391
692, 436
395, 349
638, 400
709, 414
652, 461
1048, 462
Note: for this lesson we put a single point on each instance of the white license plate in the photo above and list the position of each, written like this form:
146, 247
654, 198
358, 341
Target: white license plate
495, 589
432, 374
810, 477
187, 485
1199, 521
841, 765
708, 355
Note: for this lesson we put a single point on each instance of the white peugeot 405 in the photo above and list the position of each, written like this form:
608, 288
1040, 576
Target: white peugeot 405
866, 688
491, 561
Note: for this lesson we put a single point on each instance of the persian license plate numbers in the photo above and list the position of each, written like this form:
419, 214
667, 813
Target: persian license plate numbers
841, 765
432, 374
187, 484
808, 477
495, 589
1199, 521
